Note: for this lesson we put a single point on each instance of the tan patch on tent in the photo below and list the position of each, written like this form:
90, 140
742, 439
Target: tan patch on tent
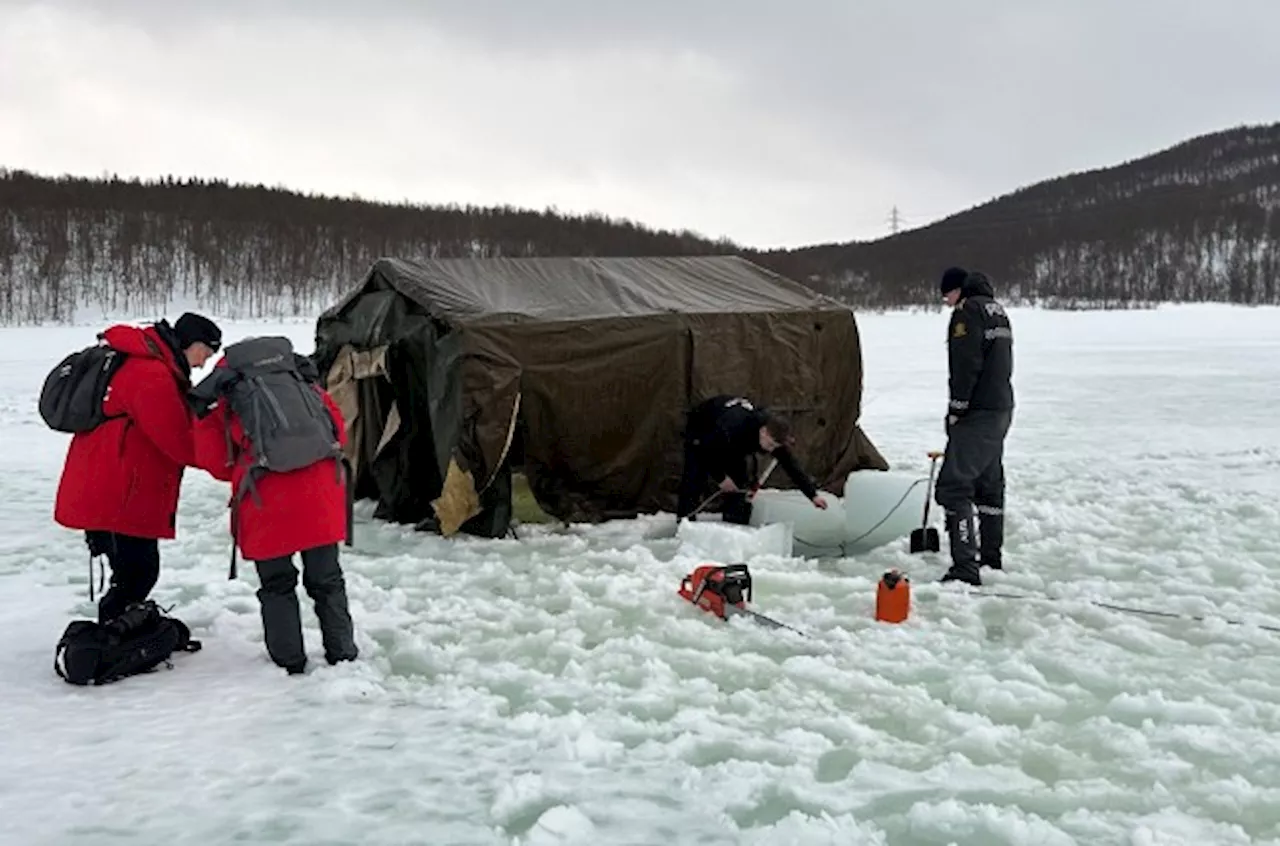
458, 502
349, 368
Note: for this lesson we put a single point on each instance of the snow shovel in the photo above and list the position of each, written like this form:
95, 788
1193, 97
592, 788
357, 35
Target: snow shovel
925, 538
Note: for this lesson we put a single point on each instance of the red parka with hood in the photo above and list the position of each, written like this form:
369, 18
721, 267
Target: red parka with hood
124, 476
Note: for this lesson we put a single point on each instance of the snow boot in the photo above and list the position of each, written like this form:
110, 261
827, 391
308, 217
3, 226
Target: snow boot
991, 536
281, 619
323, 580
962, 532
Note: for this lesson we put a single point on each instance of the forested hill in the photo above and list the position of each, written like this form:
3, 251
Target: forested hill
129, 245
1194, 222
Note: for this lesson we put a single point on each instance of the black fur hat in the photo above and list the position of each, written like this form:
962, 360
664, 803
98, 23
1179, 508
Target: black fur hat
952, 278
196, 328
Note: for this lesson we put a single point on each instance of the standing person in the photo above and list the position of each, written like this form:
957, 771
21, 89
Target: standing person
719, 436
277, 513
120, 480
971, 481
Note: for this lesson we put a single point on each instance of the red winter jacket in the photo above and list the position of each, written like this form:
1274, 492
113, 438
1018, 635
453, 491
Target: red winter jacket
124, 476
300, 509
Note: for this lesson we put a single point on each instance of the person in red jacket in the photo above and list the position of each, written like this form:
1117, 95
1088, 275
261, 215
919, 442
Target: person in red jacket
302, 511
120, 481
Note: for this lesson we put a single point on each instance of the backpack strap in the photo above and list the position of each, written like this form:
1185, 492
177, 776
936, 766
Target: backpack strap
249, 485
246, 484
235, 539
237, 499
58, 653
349, 485
232, 451
97, 552
186, 643
102, 577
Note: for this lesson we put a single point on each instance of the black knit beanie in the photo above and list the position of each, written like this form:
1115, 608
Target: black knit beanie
196, 328
952, 278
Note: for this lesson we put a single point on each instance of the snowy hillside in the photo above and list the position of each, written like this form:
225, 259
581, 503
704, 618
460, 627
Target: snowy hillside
1192, 223
555, 690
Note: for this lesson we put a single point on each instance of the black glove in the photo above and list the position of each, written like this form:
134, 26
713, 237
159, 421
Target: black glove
307, 367
203, 397
201, 406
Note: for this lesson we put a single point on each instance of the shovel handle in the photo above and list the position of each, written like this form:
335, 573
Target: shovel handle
934, 455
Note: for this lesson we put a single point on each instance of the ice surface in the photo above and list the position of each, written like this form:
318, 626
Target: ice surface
555, 690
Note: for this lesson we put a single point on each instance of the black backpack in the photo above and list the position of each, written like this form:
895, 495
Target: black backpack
137, 641
71, 399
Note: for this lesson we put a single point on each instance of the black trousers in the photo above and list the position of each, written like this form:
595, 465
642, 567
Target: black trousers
281, 619
135, 569
971, 484
696, 484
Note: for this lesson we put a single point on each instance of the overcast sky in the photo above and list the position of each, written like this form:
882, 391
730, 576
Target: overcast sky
772, 123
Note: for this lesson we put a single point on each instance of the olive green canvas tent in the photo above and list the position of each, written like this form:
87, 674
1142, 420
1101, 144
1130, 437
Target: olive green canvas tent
577, 372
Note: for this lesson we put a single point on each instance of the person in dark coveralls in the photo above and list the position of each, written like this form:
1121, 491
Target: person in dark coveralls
120, 482
720, 434
979, 412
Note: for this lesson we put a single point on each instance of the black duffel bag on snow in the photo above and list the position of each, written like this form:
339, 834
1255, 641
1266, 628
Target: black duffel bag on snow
137, 641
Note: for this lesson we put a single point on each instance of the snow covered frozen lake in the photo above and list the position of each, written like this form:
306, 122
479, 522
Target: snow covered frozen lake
555, 690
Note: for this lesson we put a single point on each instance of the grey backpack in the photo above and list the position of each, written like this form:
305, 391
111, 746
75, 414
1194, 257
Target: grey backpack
280, 407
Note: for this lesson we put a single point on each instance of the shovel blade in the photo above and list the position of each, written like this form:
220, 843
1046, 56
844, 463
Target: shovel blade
925, 540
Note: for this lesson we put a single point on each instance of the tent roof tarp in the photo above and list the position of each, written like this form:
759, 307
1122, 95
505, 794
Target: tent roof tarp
466, 290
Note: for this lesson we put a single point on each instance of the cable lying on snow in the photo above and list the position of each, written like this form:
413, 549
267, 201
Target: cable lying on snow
725, 590
1149, 612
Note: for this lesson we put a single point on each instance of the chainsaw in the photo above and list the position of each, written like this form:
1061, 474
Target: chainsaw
725, 591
